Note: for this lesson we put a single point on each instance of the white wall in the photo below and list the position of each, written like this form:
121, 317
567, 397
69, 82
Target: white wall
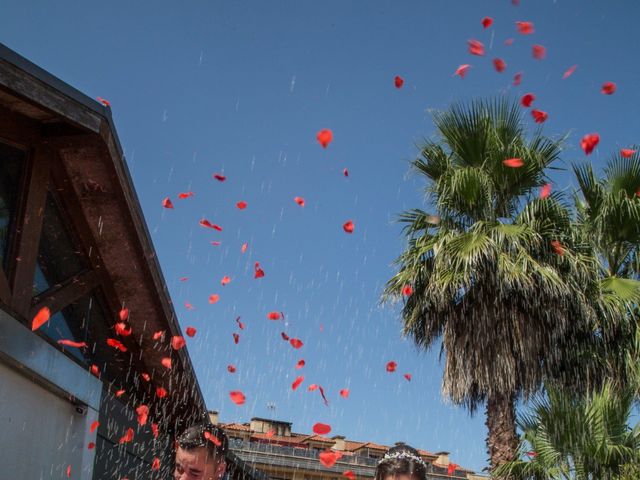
41, 433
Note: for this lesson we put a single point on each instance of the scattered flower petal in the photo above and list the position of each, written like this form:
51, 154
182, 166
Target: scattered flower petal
41, 318
324, 137
296, 383
513, 162
398, 81
321, 428
237, 397
391, 366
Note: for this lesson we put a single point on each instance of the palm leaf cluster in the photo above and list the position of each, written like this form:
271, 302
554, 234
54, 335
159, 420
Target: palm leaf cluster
577, 438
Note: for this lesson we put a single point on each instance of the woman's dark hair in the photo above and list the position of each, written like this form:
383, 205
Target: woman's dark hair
205, 435
401, 460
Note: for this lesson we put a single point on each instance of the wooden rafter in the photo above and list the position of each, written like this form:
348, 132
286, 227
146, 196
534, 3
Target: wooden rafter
66, 293
29, 226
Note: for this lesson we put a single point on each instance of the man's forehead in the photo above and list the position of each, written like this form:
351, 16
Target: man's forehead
193, 456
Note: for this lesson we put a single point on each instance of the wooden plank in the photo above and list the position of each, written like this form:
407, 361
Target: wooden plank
66, 293
17, 130
47, 97
29, 226
5, 291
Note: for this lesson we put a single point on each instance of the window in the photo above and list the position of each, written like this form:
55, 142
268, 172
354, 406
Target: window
12, 163
59, 255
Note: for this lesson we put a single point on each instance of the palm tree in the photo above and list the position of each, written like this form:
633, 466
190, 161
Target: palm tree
579, 438
497, 275
608, 217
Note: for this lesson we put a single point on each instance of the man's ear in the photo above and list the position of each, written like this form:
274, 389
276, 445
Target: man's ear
220, 468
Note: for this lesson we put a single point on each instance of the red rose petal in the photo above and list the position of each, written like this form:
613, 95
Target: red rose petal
344, 393
569, 72
177, 342
296, 343
486, 22
299, 201
527, 99
166, 363
538, 52
608, 88
219, 177
321, 428
476, 47
237, 397
348, 226
525, 28
513, 162
143, 413
324, 137
462, 70
191, 332
589, 142
296, 383
41, 318
499, 64
391, 366
398, 81
300, 364
231, 368
539, 116
627, 152
166, 203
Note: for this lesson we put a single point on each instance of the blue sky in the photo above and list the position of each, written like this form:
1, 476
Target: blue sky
242, 88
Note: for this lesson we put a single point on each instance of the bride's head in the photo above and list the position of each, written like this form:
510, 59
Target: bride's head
401, 462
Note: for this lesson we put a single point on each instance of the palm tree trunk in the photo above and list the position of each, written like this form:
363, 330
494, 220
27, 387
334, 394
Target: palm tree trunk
502, 441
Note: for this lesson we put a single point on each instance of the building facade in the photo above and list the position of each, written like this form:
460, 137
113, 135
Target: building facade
73, 239
270, 446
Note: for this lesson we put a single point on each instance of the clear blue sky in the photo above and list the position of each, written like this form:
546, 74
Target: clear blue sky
242, 88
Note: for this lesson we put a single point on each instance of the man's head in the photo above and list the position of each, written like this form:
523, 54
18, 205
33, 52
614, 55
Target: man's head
200, 454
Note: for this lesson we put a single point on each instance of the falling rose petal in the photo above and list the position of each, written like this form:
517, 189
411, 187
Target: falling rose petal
225, 280
300, 364
71, 343
215, 244
237, 397
538, 52
120, 392
143, 413
219, 177
345, 172
95, 371
348, 473
207, 224
158, 335
344, 393
117, 344
557, 247
123, 314
236, 338
324, 137
312, 387
41, 318
499, 64
513, 162
569, 72
509, 41
296, 383
299, 201
525, 28
122, 330
398, 81
627, 152
188, 306
155, 464
476, 47
545, 191
589, 142
269, 434
608, 88
407, 376
527, 99
104, 101
328, 458
166, 203
68, 471
177, 342
531, 454
213, 439
231, 368
146, 377
321, 428
184, 279
486, 22
191, 332
324, 397
259, 273
517, 79
243, 249
285, 337
161, 392
241, 205
240, 324
451, 468
539, 116
166, 363
154, 429
214, 298
296, 343
128, 436
348, 226
91, 446
407, 290
462, 70
185, 195
274, 315
95, 424
391, 366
